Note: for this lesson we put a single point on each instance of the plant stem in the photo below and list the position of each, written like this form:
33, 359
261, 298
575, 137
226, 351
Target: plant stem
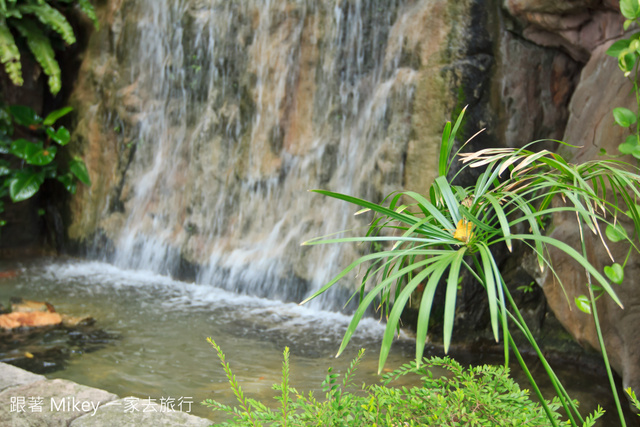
605, 358
594, 311
533, 383
557, 385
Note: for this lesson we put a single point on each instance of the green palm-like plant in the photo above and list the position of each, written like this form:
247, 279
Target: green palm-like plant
35, 20
431, 240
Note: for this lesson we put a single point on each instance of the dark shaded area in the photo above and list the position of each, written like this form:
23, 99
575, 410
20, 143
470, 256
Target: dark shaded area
44, 350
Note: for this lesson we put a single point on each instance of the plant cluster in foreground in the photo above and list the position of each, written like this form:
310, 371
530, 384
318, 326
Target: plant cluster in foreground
477, 396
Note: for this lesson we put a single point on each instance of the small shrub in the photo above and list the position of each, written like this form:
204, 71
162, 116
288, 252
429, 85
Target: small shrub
25, 164
477, 396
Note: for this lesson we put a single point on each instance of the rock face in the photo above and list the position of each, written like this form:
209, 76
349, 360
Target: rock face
621, 334
204, 123
584, 29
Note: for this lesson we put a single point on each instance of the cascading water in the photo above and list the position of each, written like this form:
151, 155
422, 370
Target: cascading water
240, 108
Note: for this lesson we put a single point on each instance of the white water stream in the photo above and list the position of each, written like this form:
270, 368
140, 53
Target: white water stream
242, 107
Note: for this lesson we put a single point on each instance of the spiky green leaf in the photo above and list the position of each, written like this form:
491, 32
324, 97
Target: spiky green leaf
51, 18
40, 46
10, 55
88, 10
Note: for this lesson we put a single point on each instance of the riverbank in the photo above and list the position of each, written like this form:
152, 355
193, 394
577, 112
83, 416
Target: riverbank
31, 400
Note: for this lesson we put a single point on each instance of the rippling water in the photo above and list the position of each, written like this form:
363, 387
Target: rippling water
164, 324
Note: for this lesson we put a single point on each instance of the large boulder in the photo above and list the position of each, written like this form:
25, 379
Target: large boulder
591, 126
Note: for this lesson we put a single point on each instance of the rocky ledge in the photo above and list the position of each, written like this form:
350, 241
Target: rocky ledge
28, 399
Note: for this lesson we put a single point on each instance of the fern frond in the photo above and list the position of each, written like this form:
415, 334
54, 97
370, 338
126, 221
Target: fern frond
9, 54
12, 12
88, 9
41, 48
51, 18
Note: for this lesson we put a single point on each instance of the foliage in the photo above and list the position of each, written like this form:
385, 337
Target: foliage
430, 240
37, 156
634, 399
477, 396
36, 21
627, 51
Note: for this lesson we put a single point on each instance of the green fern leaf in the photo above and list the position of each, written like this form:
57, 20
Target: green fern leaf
9, 54
12, 12
88, 10
51, 18
41, 48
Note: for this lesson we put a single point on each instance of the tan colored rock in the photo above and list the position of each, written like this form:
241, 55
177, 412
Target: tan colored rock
73, 321
281, 97
28, 306
29, 319
602, 87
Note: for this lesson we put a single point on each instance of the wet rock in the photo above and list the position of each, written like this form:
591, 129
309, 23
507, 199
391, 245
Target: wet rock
73, 321
9, 274
19, 305
29, 319
37, 338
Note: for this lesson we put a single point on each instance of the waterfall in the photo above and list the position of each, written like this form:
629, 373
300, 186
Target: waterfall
234, 109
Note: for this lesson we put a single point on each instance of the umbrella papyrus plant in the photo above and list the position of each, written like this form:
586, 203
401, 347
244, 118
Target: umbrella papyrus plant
429, 240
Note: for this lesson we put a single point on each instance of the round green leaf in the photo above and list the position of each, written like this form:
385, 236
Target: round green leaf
583, 304
39, 156
624, 117
20, 148
5, 168
618, 47
630, 9
616, 233
24, 115
615, 273
79, 169
626, 61
61, 136
630, 145
25, 184
627, 24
